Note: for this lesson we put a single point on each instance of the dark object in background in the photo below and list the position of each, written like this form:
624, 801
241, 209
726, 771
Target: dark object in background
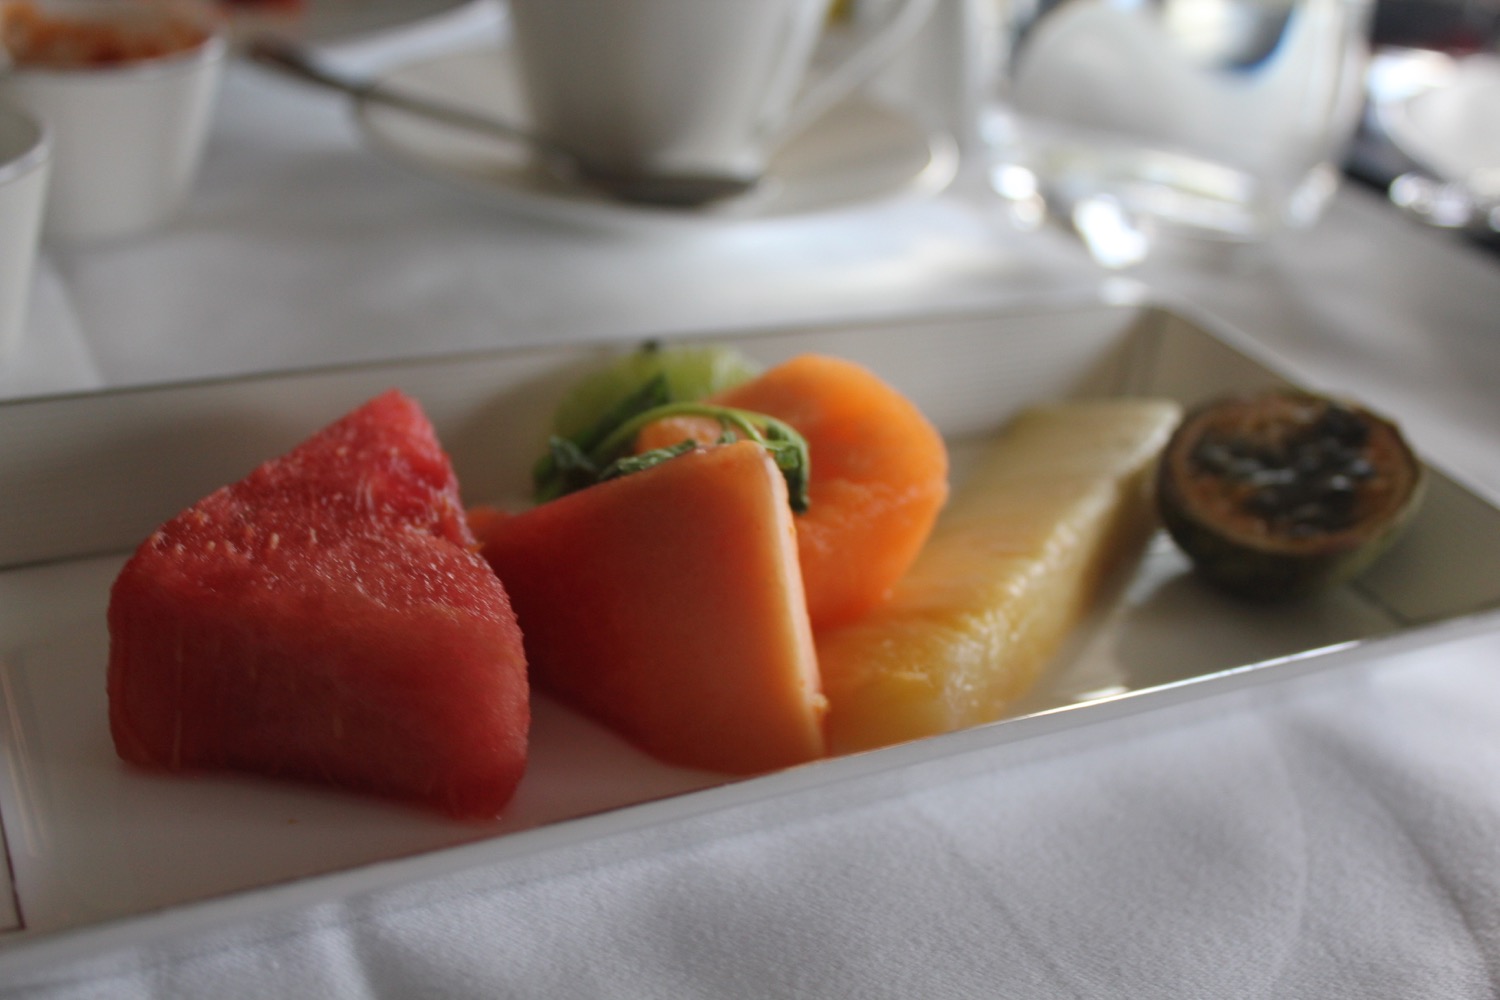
1452, 26
1455, 27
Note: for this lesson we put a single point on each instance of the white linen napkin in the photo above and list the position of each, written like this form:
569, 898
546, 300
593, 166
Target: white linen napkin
1330, 839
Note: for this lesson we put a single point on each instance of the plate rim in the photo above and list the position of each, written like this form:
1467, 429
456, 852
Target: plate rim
321, 22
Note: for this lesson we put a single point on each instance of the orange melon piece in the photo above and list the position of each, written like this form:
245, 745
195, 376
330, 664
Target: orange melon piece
879, 475
668, 431
668, 605
1059, 501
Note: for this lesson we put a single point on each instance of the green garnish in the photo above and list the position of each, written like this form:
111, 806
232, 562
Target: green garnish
640, 463
603, 450
566, 466
690, 371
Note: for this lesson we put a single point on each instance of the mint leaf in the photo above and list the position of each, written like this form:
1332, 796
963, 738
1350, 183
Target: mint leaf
645, 460
788, 449
566, 465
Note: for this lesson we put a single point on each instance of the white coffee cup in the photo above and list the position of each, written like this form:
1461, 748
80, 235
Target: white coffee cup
127, 137
662, 87
25, 159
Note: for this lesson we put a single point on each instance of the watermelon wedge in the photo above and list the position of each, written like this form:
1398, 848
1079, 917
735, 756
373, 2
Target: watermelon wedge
327, 618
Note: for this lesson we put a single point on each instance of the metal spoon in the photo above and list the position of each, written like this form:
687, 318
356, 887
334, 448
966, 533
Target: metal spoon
670, 190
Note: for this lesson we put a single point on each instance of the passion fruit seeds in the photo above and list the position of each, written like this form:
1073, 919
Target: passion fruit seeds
1305, 484
1285, 493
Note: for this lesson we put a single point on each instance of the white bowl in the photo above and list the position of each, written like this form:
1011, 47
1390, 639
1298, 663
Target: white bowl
127, 137
25, 158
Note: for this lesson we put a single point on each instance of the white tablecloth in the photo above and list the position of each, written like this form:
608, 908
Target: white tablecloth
1329, 838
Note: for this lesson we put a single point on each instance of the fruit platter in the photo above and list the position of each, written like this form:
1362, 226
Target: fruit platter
104, 852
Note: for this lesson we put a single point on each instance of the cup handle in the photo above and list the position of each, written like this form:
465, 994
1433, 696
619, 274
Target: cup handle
865, 57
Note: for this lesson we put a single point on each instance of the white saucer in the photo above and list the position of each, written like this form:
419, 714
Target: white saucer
1451, 125
319, 21
860, 152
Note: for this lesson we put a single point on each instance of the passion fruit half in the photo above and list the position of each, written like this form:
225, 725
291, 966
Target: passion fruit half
1281, 494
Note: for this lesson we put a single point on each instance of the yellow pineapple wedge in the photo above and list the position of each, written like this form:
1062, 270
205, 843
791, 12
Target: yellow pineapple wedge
1053, 507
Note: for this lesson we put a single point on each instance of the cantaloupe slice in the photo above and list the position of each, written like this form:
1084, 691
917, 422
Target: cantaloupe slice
668, 604
1014, 562
879, 475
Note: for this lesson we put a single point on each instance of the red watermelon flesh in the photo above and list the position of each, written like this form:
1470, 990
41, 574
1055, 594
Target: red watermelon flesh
327, 618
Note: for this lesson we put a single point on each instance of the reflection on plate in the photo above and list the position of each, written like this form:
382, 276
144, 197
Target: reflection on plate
113, 855
861, 151
330, 20
1448, 117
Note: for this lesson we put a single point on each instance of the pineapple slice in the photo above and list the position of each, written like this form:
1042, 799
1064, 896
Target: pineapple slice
1054, 506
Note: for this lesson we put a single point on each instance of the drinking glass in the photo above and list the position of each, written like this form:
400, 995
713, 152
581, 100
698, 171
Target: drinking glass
1140, 121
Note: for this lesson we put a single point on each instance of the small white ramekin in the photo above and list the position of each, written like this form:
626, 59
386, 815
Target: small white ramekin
127, 138
25, 162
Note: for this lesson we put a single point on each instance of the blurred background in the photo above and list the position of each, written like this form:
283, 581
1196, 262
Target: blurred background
1425, 45
1451, 26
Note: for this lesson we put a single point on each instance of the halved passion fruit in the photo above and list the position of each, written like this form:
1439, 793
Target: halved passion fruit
1281, 494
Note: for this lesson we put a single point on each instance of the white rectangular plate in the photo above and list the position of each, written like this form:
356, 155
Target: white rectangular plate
101, 854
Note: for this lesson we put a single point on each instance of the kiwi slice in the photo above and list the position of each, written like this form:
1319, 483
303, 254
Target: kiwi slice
604, 400
691, 373
1278, 495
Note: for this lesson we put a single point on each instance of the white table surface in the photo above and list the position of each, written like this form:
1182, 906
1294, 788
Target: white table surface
1328, 839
